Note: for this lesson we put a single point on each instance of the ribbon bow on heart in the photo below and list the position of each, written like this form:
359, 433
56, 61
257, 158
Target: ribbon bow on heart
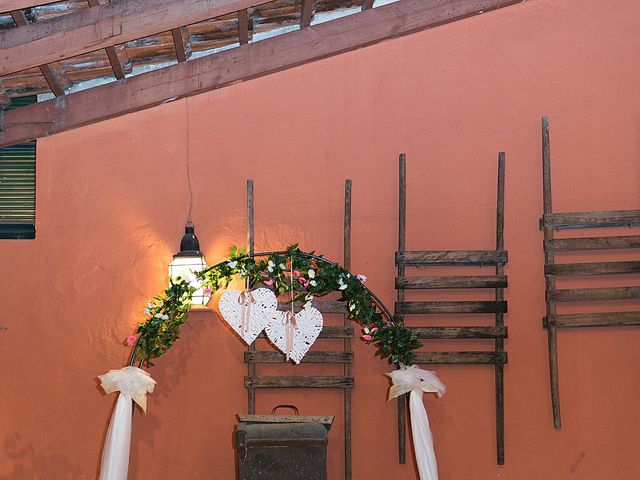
248, 312
290, 329
246, 299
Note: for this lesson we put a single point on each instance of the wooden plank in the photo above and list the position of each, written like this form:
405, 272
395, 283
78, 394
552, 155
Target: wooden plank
451, 257
450, 333
546, 167
19, 18
608, 319
324, 306
404, 308
116, 64
348, 370
598, 268
250, 217
593, 294
593, 243
402, 237
432, 282
552, 341
179, 44
298, 382
337, 331
251, 367
103, 26
549, 259
306, 13
571, 220
499, 344
52, 81
231, 66
461, 358
310, 357
243, 26
367, 4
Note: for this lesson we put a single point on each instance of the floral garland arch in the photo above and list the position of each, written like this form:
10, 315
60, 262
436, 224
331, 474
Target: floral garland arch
313, 276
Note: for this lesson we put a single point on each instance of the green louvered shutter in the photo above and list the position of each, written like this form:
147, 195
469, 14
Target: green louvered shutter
18, 185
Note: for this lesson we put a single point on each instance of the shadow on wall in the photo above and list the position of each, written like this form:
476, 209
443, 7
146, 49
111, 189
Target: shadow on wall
26, 460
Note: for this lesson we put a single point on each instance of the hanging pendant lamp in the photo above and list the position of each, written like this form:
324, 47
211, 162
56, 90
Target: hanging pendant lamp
188, 262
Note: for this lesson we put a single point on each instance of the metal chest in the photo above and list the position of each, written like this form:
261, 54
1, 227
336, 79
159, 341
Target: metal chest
282, 447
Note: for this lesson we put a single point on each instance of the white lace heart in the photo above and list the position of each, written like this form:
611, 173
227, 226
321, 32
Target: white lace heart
295, 338
248, 313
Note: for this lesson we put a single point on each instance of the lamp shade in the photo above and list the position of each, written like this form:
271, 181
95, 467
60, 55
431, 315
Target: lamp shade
187, 263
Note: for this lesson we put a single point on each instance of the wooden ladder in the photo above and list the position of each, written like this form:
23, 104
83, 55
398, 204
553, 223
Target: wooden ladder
552, 222
456, 258
252, 357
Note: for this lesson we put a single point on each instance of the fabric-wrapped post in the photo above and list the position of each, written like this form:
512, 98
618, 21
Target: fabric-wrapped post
133, 385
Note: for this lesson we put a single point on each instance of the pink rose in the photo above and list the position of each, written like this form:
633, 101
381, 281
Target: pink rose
297, 273
361, 277
207, 291
268, 282
367, 338
373, 330
303, 281
131, 341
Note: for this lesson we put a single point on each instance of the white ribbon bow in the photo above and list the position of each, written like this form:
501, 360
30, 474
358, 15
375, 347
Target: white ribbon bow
133, 384
417, 381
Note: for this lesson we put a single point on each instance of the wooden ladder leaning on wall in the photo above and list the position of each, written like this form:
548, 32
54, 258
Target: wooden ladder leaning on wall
252, 357
552, 222
456, 258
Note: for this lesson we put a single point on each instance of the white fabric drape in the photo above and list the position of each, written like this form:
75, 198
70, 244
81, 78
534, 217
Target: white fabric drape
415, 380
133, 384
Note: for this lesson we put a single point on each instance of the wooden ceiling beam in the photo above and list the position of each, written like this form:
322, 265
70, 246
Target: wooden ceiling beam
103, 26
235, 65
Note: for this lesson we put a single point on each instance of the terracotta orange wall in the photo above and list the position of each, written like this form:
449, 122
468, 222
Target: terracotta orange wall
112, 201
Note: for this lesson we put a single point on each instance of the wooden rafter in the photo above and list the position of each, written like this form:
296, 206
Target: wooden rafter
47, 71
179, 43
5, 101
367, 4
306, 13
243, 27
116, 64
103, 26
19, 18
112, 55
235, 65
52, 81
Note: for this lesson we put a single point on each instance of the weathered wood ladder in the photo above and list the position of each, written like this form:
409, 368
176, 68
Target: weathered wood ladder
456, 258
254, 357
551, 222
